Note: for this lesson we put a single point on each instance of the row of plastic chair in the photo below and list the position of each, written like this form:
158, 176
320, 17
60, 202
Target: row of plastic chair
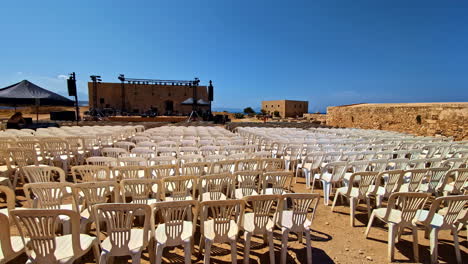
166, 224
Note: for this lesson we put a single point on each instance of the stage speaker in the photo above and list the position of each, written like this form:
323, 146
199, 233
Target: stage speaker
28, 120
71, 87
210, 93
63, 115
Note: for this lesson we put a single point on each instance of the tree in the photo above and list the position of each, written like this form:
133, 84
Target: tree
276, 114
239, 115
249, 110
264, 112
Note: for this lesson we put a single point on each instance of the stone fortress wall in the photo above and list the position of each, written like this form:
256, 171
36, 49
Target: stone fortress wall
424, 119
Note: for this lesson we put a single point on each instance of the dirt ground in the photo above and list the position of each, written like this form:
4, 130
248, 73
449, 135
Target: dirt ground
333, 241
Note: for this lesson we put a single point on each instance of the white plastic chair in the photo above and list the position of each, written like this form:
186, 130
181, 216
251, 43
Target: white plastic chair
141, 191
247, 183
216, 187
43, 245
219, 223
261, 221
436, 220
176, 227
332, 173
10, 246
364, 191
399, 218
297, 218
121, 238
277, 182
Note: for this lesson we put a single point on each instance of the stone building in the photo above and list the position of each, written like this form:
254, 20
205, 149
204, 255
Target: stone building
139, 98
286, 108
424, 119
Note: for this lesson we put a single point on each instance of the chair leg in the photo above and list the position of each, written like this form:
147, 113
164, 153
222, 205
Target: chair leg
415, 244
188, 251
208, 244
378, 200
284, 245
103, 258
96, 252
247, 238
392, 230
159, 252
326, 192
272, 247
334, 201
433, 244
136, 258
399, 233
66, 225
299, 237
313, 183
308, 246
201, 246
15, 179
152, 250
352, 210
369, 225
297, 174
234, 250
368, 207
456, 244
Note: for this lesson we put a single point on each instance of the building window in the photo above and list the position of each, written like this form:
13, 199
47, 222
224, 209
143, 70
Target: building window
418, 119
278, 105
169, 94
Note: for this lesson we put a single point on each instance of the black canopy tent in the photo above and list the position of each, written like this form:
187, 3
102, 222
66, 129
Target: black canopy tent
26, 93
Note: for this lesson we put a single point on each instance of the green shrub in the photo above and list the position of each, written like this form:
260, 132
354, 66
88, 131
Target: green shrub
239, 115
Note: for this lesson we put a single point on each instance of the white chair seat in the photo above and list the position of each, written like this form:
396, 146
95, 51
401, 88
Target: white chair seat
395, 215
209, 231
4, 211
354, 191
64, 251
325, 177
249, 223
210, 196
347, 176
134, 244
437, 220
185, 234
3, 169
271, 191
238, 194
169, 198
16, 244
148, 201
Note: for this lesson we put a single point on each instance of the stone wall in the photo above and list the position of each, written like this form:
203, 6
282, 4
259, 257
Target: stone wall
322, 118
424, 119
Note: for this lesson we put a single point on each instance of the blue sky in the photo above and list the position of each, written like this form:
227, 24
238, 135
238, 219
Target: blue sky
327, 52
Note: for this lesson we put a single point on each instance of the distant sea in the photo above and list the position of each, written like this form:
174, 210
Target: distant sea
231, 110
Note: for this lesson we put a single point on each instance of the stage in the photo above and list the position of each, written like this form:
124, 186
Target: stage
168, 119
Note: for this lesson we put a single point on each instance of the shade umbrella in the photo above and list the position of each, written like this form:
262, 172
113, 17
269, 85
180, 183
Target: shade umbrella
189, 101
26, 93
